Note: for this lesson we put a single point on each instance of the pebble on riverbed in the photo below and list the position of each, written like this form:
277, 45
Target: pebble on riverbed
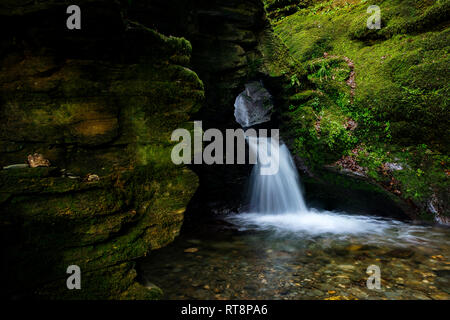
249, 267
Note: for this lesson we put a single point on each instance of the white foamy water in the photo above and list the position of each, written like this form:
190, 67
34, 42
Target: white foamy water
367, 229
277, 193
314, 223
276, 203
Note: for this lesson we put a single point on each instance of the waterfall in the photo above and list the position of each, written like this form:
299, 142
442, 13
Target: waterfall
275, 200
279, 193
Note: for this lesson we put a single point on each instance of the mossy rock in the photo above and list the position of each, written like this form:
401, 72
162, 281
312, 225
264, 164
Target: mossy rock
396, 98
117, 282
102, 104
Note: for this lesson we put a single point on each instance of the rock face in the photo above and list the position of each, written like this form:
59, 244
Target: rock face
253, 106
225, 35
97, 102
102, 102
226, 57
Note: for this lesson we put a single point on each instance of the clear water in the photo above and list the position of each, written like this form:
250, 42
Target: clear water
281, 249
246, 258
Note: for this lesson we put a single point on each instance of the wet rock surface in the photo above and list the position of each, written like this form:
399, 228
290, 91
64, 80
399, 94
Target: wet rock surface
94, 109
225, 35
253, 106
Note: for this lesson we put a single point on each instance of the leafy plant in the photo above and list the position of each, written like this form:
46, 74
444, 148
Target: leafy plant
295, 81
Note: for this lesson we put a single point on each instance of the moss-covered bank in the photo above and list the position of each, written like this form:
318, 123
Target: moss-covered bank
371, 102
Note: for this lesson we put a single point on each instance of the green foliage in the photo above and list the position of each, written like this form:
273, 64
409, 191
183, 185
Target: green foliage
278, 9
295, 82
401, 99
398, 81
402, 17
335, 135
323, 71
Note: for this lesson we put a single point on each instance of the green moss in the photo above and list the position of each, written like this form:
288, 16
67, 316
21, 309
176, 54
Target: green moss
117, 282
278, 9
113, 119
141, 210
405, 17
275, 58
401, 97
303, 96
395, 87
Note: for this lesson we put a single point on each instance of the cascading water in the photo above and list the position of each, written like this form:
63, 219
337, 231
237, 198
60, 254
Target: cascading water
279, 193
276, 201
285, 250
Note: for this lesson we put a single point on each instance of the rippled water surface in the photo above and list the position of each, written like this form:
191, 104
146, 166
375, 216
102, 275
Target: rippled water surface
317, 255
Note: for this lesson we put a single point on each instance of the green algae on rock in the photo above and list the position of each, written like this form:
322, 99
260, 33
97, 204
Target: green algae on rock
97, 109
